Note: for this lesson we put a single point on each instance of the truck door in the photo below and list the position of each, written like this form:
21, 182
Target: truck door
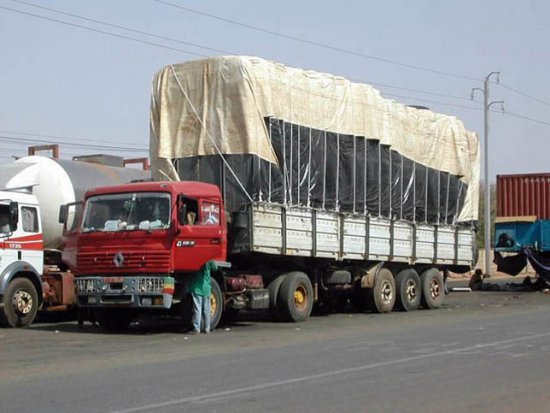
29, 242
70, 229
201, 235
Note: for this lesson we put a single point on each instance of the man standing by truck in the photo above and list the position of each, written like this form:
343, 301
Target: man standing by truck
201, 290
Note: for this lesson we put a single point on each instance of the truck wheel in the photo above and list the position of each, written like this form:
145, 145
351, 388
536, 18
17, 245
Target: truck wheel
433, 288
381, 298
273, 288
216, 304
408, 287
20, 303
295, 298
114, 319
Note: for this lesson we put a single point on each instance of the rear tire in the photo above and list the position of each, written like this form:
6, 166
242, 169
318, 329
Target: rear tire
115, 319
381, 298
433, 288
409, 290
20, 303
295, 298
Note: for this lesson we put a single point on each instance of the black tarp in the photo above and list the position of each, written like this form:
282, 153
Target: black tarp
331, 171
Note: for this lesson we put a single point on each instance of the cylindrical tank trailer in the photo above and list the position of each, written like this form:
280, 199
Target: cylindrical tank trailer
56, 182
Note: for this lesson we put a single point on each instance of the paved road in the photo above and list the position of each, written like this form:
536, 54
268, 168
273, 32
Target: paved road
482, 352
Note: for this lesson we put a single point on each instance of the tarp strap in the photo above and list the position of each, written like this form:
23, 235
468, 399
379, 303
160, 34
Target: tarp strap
210, 136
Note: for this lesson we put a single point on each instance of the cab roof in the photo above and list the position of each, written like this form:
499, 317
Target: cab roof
187, 188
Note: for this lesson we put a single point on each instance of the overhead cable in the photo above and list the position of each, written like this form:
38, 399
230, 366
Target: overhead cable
319, 44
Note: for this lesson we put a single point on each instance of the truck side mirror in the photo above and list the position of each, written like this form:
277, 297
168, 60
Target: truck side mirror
14, 215
63, 211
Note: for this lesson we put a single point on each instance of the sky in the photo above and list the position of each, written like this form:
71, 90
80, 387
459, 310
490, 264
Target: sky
89, 89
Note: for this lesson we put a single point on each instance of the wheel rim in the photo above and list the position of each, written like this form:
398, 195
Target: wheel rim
22, 302
435, 290
213, 305
386, 292
300, 298
410, 290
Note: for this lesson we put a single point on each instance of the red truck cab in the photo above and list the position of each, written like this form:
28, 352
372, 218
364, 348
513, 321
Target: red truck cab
138, 243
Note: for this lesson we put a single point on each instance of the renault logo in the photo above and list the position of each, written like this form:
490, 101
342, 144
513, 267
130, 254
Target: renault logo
118, 259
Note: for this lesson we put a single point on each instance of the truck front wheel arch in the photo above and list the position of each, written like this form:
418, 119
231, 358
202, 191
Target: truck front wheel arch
21, 302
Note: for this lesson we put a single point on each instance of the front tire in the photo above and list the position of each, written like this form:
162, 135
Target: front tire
20, 303
295, 298
216, 304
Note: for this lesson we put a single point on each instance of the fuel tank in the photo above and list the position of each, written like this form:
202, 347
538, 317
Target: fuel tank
58, 181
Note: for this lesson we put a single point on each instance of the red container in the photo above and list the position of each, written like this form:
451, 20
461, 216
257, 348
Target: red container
523, 195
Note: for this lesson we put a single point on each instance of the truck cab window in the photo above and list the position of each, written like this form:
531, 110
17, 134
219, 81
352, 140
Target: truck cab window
192, 208
4, 219
30, 219
74, 212
210, 213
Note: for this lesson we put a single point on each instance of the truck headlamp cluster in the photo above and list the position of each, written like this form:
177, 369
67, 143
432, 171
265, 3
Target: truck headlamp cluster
150, 284
87, 285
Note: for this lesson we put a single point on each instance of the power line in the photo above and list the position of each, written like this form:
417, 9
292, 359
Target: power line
120, 36
229, 52
318, 44
57, 137
413, 90
117, 26
218, 50
433, 101
524, 94
16, 139
516, 115
209, 48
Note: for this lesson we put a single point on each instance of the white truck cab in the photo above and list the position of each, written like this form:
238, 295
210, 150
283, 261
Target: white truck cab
21, 257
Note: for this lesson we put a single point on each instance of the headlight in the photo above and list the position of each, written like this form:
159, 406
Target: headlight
150, 285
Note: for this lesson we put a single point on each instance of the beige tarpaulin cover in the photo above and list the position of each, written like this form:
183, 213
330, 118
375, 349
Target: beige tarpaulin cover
221, 103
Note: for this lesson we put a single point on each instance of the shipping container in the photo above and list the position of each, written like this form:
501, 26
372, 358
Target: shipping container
523, 195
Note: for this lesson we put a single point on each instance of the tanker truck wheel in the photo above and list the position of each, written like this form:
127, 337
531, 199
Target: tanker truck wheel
20, 303
408, 287
381, 297
433, 288
114, 319
295, 298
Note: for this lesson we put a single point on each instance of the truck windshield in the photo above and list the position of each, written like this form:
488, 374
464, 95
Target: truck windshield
127, 212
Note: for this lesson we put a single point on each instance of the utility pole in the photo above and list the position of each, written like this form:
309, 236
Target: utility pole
486, 106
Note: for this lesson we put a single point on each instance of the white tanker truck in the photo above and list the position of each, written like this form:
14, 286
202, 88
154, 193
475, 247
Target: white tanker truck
37, 252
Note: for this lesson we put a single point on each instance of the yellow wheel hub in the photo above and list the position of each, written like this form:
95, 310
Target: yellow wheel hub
300, 297
213, 305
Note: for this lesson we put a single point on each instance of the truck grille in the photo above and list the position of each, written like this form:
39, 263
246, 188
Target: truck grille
93, 262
